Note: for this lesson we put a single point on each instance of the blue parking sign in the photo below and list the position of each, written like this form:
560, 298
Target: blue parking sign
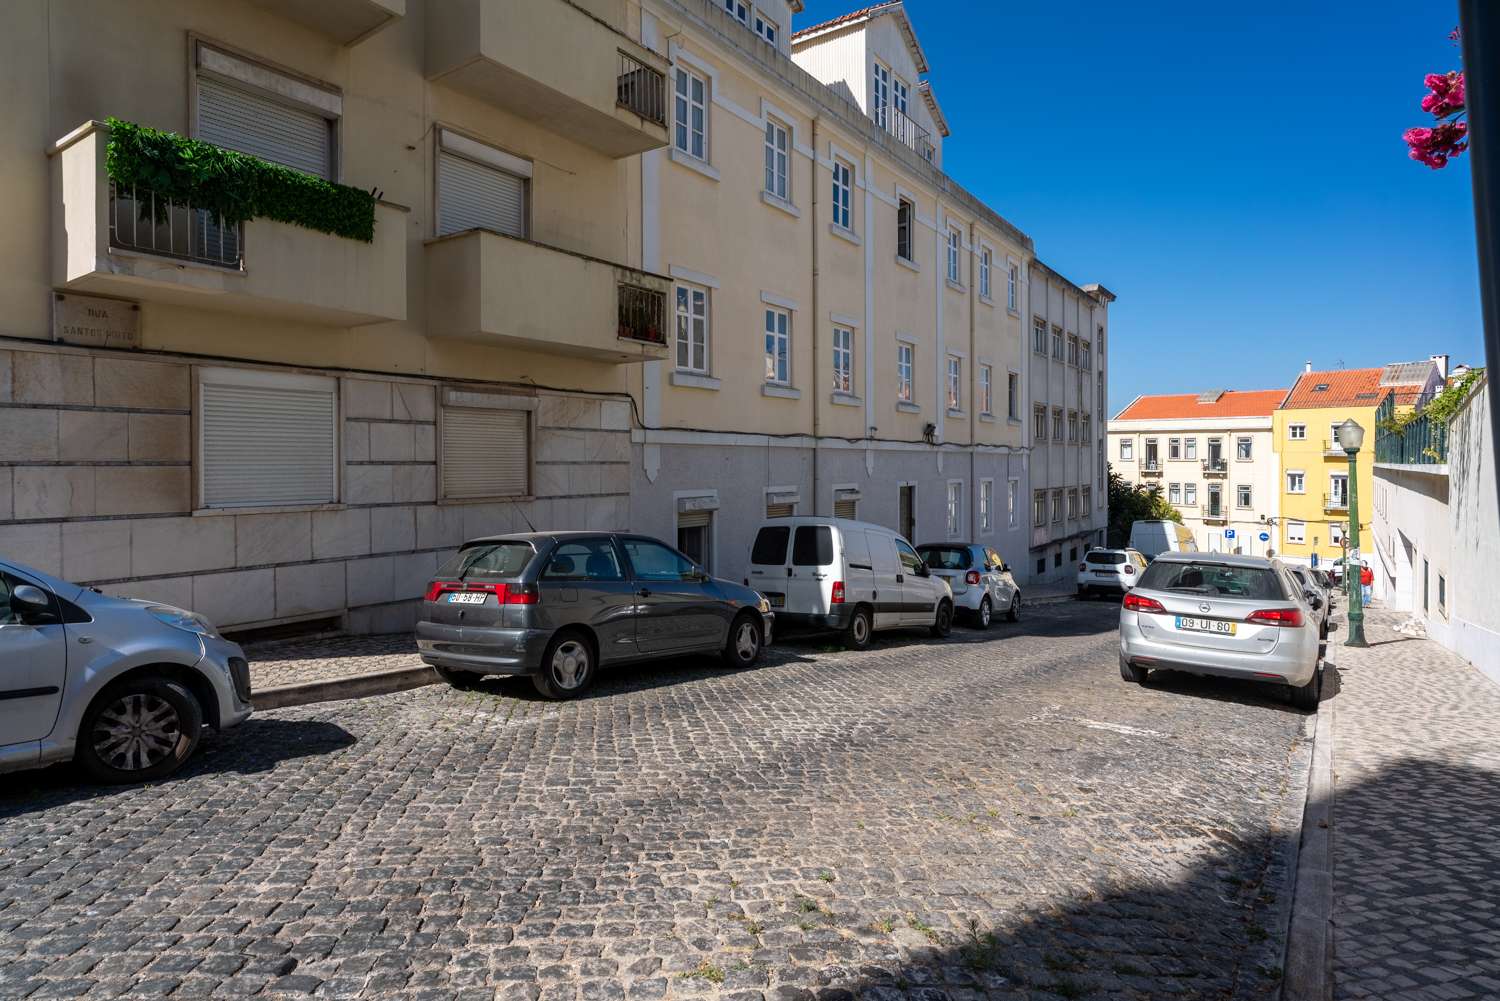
1228, 533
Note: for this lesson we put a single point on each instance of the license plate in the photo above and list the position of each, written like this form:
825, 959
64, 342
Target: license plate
1102, 573
1217, 626
467, 598
776, 600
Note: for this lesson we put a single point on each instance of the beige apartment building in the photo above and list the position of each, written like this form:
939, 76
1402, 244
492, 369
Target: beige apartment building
659, 265
1212, 456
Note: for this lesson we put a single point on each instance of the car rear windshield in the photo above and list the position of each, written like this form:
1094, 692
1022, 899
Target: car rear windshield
1105, 558
1206, 577
770, 546
945, 557
489, 559
812, 546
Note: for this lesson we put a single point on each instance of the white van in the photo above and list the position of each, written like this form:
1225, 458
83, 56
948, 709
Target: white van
832, 573
1152, 538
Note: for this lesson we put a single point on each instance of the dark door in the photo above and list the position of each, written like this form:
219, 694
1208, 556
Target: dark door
908, 514
584, 583
676, 610
33, 664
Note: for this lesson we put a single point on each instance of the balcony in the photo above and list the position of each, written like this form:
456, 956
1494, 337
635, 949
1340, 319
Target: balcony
1150, 467
1215, 467
906, 131
552, 63
1335, 502
483, 286
1215, 515
344, 21
127, 243
1332, 450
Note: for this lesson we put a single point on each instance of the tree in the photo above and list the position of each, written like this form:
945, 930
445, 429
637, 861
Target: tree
1445, 102
1129, 504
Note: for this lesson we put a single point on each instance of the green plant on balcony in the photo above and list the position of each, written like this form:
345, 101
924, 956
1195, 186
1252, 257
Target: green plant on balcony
233, 185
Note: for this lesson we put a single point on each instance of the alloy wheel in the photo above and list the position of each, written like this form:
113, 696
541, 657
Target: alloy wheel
570, 664
136, 732
747, 641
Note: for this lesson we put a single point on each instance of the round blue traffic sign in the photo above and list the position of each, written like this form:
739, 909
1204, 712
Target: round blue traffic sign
1265, 536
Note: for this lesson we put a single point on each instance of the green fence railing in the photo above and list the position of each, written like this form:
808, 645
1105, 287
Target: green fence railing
1419, 442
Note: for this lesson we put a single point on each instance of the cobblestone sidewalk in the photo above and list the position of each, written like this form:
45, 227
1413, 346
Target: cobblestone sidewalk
1416, 759
295, 663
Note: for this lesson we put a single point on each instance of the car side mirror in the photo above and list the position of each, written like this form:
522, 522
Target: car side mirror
922, 570
1313, 600
698, 574
31, 603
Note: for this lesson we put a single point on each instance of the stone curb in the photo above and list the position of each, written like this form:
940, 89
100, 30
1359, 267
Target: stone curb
336, 689
1308, 968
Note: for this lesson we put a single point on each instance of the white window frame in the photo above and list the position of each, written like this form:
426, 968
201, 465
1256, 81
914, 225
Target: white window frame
1300, 481
683, 106
1038, 336
843, 360
778, 153
739, 10
1127, 450
1336, 532
766, 28
1039, 507
1335, 478
1190, 448
987, 390
1012, 279
843, 195
1012, 495
880, 98
262, 379
1059, 424
1249, 448
954, 245
1057, 506
1296, 432
986, 507
1085, 429
1296, 533
1174, 493
1039, 422
954, 509
986, 269
778, 344
1190, 495
900, 95
1013, 395
955, 383
683, 322
1174, 448
1246, 491
906, 365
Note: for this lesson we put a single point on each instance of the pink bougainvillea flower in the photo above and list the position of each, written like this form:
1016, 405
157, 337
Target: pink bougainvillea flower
1447, 94
1435, 147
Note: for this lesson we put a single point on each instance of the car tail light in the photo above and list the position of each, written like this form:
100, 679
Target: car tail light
972, 577
838, 593
1291, 617
1130, 569
519, 594
434, 589
1135, 603
505, 594
1082, 567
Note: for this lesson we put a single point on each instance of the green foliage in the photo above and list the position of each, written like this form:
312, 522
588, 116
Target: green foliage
1129, 504
1446, 405
234, 185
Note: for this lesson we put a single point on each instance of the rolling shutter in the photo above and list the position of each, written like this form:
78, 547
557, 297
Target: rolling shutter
694, 519
247, 122
266, 445
473, 196
484, 453
780, 510
846, 509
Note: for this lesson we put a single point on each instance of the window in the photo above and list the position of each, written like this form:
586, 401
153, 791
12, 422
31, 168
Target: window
650, 560
1088, 496
843, 360
1086, 355
899, 94
1100, 448
1338, 489
955, 508
739, 10
1426, 584
1039, 507
906, 509
1442, 596
267, 123
1242, 495
910, 562
1086, 429
1013, 396
485, 449
1244, 449
955, 239
1041, 565
1190, 494
1174, 493
955, 382
904, 368
1295, 482
1073, 505
1057, 343
1057, 424
986, 261
1057, 505
905, 210
584, 559
1190, 448
692, 329
1215, 500
1127, 450
1072, 427
479, 187
1335, 533
770, 545
1174, 448
1012, 493
778, 347
690, 114
1100, 408
812, 546
1296, 531
842, 188
1296, 432
1072, 350
986, 506
776, 159
1039, 423
882, 95
1012, 277
765, 27
986, 390
266, 439
1039, 335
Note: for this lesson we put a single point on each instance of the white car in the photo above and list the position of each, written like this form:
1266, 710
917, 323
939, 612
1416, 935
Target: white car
980, 580
858, 578
1109, 571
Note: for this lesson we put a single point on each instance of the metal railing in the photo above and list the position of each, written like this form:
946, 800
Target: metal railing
641, 89
140, 220
908, 132
1151, 465
1335, 502
1422, 442
1219, 465
642, 314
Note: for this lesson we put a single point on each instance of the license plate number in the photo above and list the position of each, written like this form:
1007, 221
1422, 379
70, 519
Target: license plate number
467, 598
777, 600
1217, 626
1102, 573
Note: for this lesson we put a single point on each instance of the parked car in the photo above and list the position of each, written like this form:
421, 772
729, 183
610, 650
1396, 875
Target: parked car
1222, 615
557, 606
980, 580
1112, 571
1312, 583
123, 687
833, 573
1152, 538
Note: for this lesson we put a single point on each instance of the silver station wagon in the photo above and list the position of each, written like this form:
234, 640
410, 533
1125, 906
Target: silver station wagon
559, 605
1229, 616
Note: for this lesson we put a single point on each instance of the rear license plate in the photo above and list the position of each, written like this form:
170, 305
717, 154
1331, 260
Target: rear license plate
467, 598
1218, 626
776, 600
1102, 573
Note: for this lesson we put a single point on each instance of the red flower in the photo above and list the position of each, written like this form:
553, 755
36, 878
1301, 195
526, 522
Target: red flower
1447, 94
1435, 146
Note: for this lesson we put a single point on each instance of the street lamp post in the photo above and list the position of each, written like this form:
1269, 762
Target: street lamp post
1351, 436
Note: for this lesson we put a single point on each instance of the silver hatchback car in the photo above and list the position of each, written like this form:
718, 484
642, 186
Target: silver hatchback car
124, 687
1227, 616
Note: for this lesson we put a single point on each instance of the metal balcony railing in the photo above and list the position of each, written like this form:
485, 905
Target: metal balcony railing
1216, 466
141, 221
1335, 502
908, 132
1151, 466
1423, 442
641, 89
642, 314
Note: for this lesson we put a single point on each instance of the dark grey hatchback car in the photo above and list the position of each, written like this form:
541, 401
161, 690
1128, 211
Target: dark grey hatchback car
558, 605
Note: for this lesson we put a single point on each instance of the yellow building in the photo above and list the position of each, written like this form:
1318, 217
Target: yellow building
1314, 484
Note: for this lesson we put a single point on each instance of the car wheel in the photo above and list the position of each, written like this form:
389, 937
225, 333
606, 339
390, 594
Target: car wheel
857, 632
986, 613
139, 730
744, 646
462, 680
942, 622
1306, 696
567, 667
1133, 673
1013, 613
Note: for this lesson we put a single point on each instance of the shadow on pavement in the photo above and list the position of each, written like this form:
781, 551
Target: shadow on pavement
644, 675
257, 745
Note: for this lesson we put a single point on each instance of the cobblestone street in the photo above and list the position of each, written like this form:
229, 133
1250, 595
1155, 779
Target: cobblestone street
997, 815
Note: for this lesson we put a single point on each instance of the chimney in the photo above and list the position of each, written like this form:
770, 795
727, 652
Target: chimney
1307, 367
1441, 361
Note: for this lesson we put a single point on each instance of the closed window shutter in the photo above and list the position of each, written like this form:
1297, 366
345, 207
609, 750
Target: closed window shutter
484, 453
247, 122
267, 446
780, 510
694, 519
473, 196
845, 509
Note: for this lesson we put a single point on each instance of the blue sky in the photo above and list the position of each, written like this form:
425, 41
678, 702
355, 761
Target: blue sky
1238, 179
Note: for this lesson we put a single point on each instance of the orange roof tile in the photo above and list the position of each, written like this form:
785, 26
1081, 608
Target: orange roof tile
1186, 406
1350, 387
853, 15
